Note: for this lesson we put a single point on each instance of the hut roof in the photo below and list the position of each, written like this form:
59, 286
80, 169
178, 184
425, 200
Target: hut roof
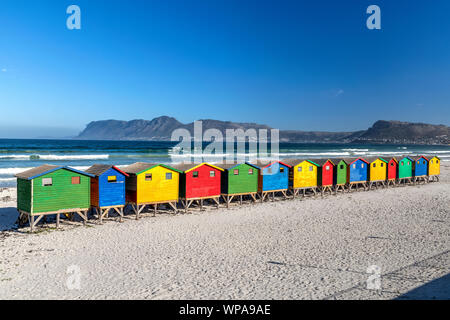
230, 165
186, 167
99, 169
351, 160
372, 159
337, 160
262, 164
45, 169
419, 157
138, 167
320, 161
292, 161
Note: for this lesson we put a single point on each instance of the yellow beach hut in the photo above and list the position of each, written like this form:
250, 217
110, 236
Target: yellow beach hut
151, 184
434, 168
377, 172
302, 176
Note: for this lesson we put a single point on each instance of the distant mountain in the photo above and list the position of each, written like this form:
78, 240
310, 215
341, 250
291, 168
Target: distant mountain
406, 132
161, 128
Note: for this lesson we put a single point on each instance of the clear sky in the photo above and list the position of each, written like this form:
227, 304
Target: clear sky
306, 65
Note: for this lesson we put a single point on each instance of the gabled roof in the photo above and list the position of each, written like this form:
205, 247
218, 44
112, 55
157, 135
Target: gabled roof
393, 158
420, 157
139, 167
263, 164
45, 169
292, 161
406, 157
372, 159
99, 169
431, 157
320, 161
337, 160
351, 160
186, 167
231, 165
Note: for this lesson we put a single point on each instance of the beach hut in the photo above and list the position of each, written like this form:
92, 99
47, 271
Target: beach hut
302, 176
340, 174
434, 168
420, 169
392, 171
199, 182
405, 170
150, 184
273, 178
238, 180
377, 172
51, 189
325, 174
357, 173
107, 189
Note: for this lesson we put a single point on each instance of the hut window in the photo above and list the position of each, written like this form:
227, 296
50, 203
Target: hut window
311, 168
409, 163
46, 182
362, 165
195, 174
299, 169
392, 164
112, 178
437, 161
236, 172
431, 161
168, 175
76, 180
281, 169
148, 177
327, 168
269, 170
423, 162
250, 171
382, 165
212, 173
374, 165
403, 163
354, 166
341, 166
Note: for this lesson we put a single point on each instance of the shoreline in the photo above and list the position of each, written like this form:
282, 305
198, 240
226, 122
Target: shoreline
290, 249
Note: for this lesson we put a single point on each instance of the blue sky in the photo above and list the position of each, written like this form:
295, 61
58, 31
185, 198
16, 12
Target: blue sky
306, 65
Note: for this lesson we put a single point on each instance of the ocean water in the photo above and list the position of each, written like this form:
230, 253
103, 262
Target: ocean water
20, 155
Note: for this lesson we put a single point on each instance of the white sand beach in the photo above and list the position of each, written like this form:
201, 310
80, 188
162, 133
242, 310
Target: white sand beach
293, 249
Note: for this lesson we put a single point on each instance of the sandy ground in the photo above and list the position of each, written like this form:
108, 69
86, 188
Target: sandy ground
295, 249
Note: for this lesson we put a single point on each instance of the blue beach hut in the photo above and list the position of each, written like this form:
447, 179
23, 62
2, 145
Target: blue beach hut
357, 173
420, 168
107, 189
273, 177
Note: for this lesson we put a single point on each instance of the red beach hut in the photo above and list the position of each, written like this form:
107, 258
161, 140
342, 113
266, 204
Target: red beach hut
325, 174
199, 182
392, 171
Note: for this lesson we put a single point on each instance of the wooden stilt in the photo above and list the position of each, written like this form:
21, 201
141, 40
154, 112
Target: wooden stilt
57, 220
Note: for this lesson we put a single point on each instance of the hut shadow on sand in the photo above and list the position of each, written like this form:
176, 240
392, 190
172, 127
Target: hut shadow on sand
8, 218
438, 289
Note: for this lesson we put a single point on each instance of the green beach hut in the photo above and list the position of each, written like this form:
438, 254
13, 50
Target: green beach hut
238, 180
51, 189
340, 174
405, 170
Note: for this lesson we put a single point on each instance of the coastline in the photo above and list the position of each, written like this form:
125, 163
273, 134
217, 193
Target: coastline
293, 249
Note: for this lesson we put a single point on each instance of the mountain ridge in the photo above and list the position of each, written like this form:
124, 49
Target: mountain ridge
161, 128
